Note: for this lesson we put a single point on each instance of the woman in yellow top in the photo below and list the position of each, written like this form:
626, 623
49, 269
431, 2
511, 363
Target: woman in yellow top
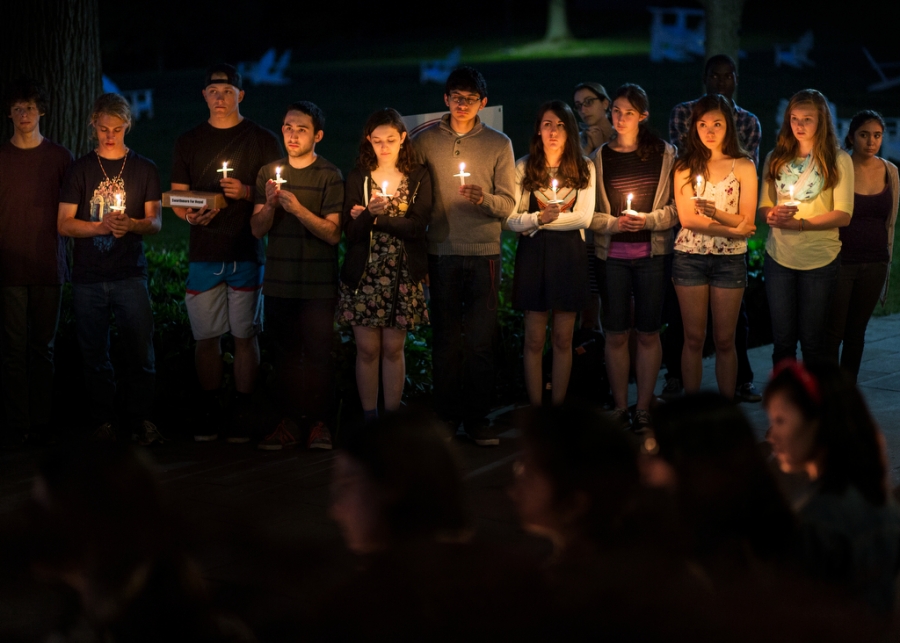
806, 195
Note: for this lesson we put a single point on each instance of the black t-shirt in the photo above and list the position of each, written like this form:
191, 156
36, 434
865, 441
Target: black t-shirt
106, 258
199, 153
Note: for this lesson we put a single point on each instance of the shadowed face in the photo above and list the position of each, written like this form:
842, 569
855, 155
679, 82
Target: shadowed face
110, 132
626, 118
591, 108
867, 139
464, 106
721, 79
356, 506
791, 435
299, 138
805, 123
25, 116
711, 128
553, 133
386, 141
222, 98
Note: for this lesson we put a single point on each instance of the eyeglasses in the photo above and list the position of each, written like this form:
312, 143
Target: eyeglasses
587, 102
459, 99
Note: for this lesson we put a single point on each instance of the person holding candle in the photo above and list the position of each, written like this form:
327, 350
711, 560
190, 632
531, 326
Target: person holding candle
719, 77
867, 244
223, 289
32, 263
631, 245
302, 219
109, 269
551, 267
381, 292
716, 213
464, 251
803, 249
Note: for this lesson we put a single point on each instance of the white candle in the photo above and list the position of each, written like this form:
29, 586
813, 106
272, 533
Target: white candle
278, 179
555, 185
791, 190
384, 191
462, 174
225, 170
699, 185
628, 206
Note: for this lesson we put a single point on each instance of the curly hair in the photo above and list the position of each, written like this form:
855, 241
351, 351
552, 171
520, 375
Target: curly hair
24, 90
574, 171
366, 159
695, 157
648, 142
825, 146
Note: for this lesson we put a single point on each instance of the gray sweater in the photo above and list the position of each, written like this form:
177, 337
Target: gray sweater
458, 227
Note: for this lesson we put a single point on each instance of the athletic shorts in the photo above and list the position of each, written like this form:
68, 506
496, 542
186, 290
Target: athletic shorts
224, 297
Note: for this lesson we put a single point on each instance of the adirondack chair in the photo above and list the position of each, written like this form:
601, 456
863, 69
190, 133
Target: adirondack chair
436, 71
885, 82
140, 100
795, 55
268, 70
677, 33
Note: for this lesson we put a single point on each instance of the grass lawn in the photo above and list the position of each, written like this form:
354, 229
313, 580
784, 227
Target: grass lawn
519, 77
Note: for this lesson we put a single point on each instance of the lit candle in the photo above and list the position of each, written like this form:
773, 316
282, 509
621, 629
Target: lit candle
791, 190
555, 185
225, 170
462, 174
699, 185
278, 179
628, 206
384, 191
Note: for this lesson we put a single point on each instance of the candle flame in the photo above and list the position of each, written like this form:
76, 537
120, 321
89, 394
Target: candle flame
630, 197
462, 168
384, 187
555, 184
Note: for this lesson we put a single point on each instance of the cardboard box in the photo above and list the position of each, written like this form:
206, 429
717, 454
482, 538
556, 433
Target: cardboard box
194, 200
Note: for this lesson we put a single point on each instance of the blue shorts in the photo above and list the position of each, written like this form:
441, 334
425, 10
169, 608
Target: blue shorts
224, 298
717, 271
627, 281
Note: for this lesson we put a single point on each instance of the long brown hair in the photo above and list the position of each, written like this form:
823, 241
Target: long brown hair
366, 159
648, 142
573, 171
825, 146
695, 157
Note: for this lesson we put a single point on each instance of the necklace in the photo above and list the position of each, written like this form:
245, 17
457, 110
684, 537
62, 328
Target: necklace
116, 180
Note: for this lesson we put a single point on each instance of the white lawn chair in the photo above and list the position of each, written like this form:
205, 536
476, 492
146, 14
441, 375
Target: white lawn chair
677, 33
267, 71
885, 82
796, 55
140, 100
436, 71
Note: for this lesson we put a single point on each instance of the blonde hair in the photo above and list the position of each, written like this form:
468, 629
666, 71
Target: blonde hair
111, 105
825, 146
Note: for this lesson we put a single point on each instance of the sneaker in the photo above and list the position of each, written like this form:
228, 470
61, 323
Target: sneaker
641, 423
319, 437
621, 418
483, 435
747, 392
283, 437
672, 390
106, 432
148, 434
239, 429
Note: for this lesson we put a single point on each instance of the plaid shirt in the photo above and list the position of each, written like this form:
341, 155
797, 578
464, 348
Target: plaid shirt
748, 129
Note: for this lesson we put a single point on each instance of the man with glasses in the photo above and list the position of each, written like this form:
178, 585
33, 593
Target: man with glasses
226, 261
32, 263
470, 203
591, 104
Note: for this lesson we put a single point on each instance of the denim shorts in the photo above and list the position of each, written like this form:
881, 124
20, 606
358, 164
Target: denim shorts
619, 281
718, 271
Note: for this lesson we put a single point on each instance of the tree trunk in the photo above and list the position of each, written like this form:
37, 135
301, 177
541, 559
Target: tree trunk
723, 23
557, 22
57, 43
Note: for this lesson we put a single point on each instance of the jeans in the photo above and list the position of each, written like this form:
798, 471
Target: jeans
859, 286
29, 316
301, 332
129, 302
464, 324
799, 302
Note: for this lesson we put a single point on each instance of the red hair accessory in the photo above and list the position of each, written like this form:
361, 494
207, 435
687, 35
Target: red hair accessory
809, 383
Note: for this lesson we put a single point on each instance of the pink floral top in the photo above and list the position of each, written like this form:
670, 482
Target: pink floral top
727, 195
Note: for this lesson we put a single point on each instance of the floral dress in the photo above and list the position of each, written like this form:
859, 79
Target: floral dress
386, 296
727, 196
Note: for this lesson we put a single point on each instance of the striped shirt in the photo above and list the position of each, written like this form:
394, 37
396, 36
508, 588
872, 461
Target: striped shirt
299, 265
